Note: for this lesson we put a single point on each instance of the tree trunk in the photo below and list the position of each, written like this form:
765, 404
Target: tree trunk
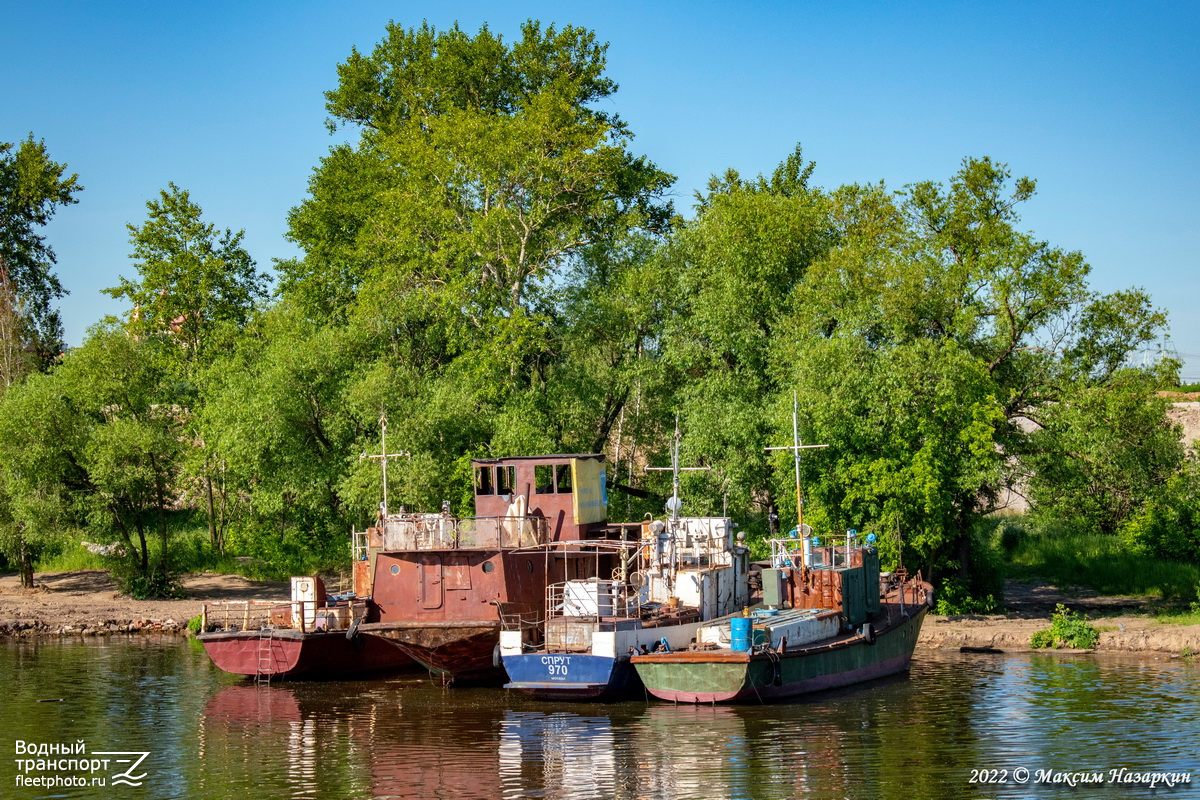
213, 536
160, 498
26, 565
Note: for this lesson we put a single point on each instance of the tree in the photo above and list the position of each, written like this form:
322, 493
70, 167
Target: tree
196, 289
480, 171
730, 274
32, 187
191, 279
1102, 453
14, 359
133, 444
41, 475
923, 339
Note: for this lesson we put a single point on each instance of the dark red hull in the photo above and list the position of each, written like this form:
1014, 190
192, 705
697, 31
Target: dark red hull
291, 654
457, 652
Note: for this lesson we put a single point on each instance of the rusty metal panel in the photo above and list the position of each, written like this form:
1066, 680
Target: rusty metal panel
362, 578
564, 635
429, 581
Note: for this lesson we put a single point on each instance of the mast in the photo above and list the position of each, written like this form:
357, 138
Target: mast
674, 504
383, 456
796, 446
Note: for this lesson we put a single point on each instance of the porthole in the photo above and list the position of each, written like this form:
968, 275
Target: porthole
395, 569
488, 566
529, 567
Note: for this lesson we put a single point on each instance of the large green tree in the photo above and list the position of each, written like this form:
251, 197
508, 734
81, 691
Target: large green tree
196, 288
192, 280
32, 188
728, 276
927, 339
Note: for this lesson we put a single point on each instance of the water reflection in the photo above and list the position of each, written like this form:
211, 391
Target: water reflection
917, 736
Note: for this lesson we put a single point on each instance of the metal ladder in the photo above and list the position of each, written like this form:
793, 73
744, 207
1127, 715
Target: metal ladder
266, 655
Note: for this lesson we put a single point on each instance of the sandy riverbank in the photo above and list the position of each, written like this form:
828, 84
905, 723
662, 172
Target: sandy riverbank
86, 603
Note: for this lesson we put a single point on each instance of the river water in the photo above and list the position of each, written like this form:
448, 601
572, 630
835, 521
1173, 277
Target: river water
935, 733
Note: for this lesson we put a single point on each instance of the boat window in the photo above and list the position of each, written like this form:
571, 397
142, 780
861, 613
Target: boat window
564, 478
506, 479
543, 479
488, 566
483, 481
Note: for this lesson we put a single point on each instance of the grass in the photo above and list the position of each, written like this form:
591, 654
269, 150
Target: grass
1099, 562
190, 552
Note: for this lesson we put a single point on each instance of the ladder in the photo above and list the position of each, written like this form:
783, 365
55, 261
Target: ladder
266, 655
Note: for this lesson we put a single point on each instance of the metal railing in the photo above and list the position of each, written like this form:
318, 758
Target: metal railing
437, 532
254, 615
591, 599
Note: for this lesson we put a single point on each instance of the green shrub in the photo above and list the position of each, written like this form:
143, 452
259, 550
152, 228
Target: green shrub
194, 624
145, 586
1067, 629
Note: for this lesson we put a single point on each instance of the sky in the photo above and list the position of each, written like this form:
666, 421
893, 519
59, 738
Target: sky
1099, 102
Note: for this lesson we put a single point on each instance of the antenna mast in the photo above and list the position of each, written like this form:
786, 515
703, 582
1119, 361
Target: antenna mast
674, 504
383, 456
796, 447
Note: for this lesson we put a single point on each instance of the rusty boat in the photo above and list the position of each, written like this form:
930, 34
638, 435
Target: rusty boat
312, 635
442, 587
828, 618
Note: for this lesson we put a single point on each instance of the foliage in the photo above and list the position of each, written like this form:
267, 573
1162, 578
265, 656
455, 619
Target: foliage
131, 580
1055, 552
191, 280
40, 474
1102, 453
1168, 526
196, 289
981, 591
727, 279
32, 187
924, 337
1067, 629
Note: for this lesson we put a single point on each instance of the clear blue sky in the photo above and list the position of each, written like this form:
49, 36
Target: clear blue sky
1099, 102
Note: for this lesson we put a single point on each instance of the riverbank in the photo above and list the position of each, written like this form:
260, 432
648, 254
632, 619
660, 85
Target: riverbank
86, 603
1126, 624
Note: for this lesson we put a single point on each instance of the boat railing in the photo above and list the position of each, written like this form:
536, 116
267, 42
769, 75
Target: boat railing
790, 553
591, 599
303, 615
358, 545
440, 532
519, 620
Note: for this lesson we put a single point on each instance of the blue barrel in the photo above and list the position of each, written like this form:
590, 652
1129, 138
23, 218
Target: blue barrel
740, 629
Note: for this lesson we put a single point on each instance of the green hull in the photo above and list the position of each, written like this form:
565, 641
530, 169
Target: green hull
726, 676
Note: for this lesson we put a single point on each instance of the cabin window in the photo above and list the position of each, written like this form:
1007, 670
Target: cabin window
564, 478
488, 566
506, 480
483, 481
395, 569
543, 479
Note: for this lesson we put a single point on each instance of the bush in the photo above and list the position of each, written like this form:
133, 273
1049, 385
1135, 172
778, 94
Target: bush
982, 591
1067, 629
145, 586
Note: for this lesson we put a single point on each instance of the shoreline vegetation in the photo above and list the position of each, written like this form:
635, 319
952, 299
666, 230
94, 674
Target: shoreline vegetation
85, 603
487, 266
